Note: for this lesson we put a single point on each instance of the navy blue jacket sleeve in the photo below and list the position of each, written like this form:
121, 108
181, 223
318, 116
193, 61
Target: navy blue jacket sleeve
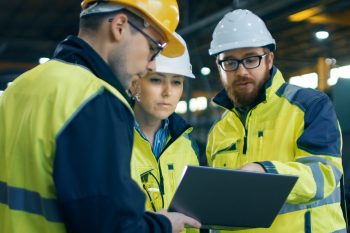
92, 172
321, 134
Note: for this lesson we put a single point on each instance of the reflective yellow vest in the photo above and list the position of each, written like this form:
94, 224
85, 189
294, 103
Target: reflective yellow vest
28, 202
159, 179
293, 131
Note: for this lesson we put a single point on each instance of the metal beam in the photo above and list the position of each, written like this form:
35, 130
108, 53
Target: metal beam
339, 19
204, 22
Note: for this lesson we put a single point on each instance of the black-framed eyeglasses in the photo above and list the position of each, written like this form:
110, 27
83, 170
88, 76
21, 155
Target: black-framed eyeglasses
251, 62
153, 190
155, 46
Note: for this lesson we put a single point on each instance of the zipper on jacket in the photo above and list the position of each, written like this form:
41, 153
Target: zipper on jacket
160, 168
245, 141
166, 147
161, 181
244, 124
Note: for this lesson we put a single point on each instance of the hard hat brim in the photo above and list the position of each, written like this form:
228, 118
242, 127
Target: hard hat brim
174, 47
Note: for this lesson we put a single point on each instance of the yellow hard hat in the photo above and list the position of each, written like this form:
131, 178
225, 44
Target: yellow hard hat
163, 14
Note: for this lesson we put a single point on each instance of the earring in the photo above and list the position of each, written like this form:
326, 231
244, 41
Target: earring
137, 97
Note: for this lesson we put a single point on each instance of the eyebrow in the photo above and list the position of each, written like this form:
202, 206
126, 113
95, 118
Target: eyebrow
155, 74
178, 76
250, 54
165, 75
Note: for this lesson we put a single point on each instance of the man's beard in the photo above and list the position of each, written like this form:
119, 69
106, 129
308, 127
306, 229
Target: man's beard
244, 99
241, 99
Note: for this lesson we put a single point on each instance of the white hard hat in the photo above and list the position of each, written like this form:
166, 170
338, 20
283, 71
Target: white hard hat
240, 29
180, 65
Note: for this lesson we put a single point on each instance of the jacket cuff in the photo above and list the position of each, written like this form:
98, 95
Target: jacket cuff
268, 166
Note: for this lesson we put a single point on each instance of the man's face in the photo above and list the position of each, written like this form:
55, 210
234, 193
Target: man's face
243, 85
131, 60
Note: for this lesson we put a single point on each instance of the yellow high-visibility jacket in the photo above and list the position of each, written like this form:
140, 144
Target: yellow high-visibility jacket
159, 179
66, 138
30, 137
292, 131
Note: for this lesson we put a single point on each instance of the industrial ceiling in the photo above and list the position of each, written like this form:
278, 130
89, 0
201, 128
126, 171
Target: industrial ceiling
32, 28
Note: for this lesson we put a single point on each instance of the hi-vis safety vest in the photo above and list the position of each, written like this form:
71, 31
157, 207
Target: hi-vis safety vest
294, 131
159, 179
28, 202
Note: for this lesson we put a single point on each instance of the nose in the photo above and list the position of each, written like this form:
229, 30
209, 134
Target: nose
166, 89
241, 70
151, 66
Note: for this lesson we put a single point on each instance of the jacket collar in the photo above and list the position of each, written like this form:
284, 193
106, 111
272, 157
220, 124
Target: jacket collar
177, 125
174, 123
76, 51
270, 87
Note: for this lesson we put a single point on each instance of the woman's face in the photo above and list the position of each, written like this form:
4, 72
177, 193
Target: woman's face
158, 94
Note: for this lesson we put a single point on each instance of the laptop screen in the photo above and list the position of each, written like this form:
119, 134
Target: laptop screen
231, 199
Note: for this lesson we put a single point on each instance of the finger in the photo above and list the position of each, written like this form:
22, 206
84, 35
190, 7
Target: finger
192, 222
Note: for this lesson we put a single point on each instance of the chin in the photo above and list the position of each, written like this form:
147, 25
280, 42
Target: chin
243, 99
163, 115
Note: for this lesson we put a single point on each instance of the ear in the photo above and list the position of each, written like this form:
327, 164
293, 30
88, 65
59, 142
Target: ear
118, 26
270, 60
221, 71
135, 87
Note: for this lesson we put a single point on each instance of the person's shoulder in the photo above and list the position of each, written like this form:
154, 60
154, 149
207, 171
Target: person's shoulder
303, 97
68, 70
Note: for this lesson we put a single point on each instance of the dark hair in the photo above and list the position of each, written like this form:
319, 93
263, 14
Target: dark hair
92, 22
270, 47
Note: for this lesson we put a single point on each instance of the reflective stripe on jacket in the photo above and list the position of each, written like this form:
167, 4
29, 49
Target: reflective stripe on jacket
29, 195
61, 167
291, 131
28, 198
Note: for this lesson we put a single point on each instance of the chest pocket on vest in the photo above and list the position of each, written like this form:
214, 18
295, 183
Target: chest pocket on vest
227, 157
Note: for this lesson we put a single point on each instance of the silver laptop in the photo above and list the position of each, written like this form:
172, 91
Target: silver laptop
231, 199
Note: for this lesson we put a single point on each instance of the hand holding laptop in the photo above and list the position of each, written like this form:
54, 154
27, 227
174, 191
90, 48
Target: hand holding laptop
253, 167
179, 221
